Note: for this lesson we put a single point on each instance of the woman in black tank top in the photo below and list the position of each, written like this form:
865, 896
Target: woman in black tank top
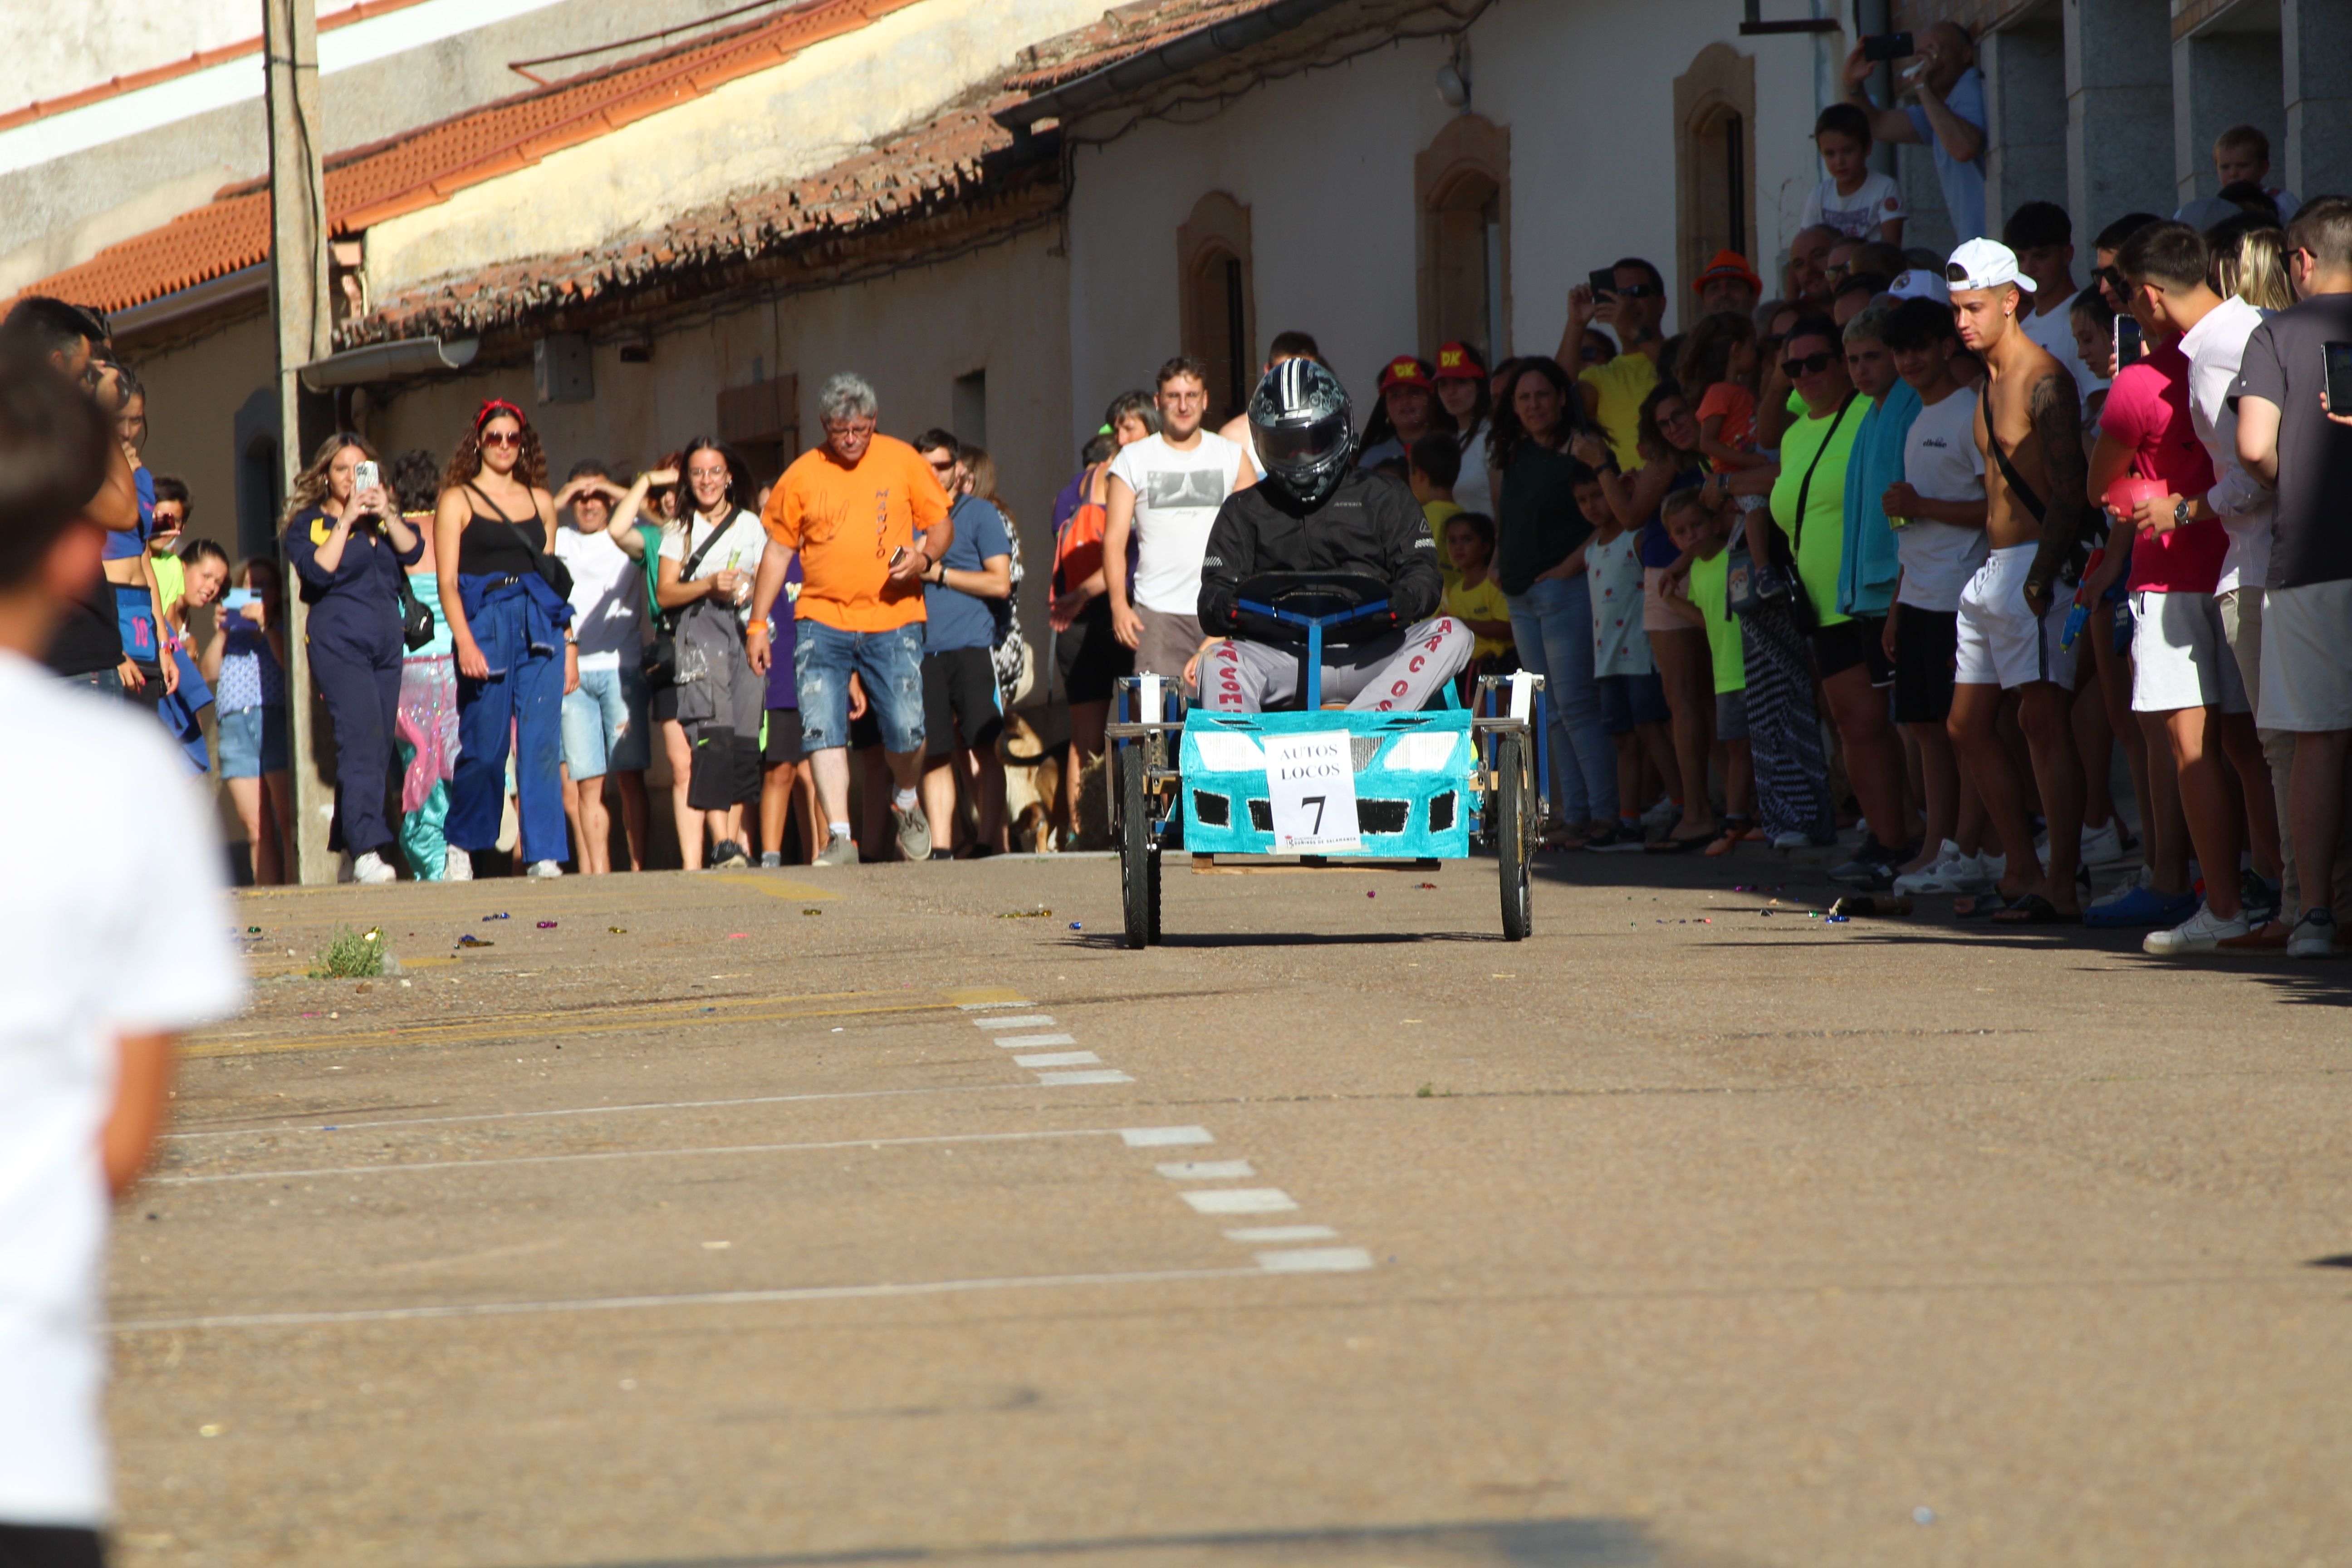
511, 635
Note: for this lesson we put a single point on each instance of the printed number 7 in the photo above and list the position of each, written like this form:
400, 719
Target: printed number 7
1317, 802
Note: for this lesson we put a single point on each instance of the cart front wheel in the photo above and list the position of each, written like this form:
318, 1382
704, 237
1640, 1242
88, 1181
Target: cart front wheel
1139, 853
1514, 831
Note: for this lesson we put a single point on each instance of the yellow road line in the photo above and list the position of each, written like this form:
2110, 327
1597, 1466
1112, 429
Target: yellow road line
778, 888
603, 1021
973, 997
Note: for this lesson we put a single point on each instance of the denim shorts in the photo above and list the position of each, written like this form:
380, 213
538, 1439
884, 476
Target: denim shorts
252, 742
1627, 700
889, 665
604, 723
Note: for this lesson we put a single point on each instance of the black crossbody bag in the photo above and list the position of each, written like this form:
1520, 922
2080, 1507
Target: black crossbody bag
416, 622
659, 660
1785, 549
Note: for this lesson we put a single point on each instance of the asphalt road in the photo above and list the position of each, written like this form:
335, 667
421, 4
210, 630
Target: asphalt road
879, 1216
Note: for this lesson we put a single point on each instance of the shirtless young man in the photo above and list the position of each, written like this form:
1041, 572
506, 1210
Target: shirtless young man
2013, 611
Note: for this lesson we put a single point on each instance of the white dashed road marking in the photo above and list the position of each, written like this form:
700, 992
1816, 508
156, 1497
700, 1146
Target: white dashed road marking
1024, 1021
1241, 1200
1266, 1234
1165, 1137
1206, 1170
1022, 1042
1316, 1261
1058, 1059
1092, 1075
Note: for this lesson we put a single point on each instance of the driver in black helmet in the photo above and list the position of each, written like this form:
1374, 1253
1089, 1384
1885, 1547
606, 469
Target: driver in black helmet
1316, 512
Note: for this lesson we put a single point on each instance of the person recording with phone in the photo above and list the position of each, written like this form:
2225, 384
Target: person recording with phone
1630, 297
1949, 119
347, 543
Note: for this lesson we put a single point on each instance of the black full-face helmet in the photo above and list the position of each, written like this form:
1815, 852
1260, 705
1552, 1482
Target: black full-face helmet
1299, 419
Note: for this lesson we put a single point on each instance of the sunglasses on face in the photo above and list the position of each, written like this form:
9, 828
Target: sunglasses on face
1593, 354
1812, 365
501, 438
1637, 291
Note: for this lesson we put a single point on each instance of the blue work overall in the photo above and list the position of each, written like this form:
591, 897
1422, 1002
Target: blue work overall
352, 637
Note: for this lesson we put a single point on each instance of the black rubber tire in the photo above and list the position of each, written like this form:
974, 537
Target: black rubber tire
1514, 834
1139, 857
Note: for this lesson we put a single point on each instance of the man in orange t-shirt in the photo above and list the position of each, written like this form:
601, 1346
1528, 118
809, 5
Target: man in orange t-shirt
868, 519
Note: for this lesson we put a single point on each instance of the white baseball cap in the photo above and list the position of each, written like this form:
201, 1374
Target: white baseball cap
1919, 283
1984, 264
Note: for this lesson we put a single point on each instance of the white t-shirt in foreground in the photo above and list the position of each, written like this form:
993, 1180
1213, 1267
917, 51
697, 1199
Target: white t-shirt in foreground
608, 597
1878, 200
1177, 495
114, 924
2216, 347
1940, 460
742, 544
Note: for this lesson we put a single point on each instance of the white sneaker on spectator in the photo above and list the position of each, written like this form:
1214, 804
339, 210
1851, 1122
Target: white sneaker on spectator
2141, 876
1661, 814
457, 865
2314, 935
1792, 840
914, 831
2200, 932
545, 869
2104, 846
370, 868
1954, 873
842, 850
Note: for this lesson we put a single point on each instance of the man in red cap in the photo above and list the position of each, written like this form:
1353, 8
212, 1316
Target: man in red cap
1408, 411
1729, 284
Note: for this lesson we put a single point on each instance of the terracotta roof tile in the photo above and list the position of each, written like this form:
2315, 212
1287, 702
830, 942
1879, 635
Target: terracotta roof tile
422, 167
921, 170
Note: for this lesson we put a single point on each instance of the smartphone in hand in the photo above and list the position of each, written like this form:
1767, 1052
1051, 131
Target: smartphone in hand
2129, 349
1883, 46
365, 477
2337, 387
1602, 280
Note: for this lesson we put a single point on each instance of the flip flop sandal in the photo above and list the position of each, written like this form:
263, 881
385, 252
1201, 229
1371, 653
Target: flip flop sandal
1979, 905
2033, 910
1671, 846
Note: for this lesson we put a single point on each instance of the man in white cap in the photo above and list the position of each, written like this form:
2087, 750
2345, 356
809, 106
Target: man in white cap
2012, 612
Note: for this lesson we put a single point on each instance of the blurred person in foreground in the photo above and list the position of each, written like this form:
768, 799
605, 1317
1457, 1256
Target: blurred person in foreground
127, 863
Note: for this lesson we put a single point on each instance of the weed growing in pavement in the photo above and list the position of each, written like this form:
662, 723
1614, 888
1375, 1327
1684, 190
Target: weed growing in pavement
351, 955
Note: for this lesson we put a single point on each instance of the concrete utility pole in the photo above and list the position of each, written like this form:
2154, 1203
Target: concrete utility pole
297, 286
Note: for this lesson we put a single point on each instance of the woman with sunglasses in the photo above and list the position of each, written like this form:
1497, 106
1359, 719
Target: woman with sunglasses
510, 625
1784, 729
347, 543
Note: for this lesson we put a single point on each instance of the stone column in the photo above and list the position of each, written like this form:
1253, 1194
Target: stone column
2024, 69
2317, 68
2119, 130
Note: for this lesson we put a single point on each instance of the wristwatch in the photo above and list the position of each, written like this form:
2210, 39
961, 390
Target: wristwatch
2181, 512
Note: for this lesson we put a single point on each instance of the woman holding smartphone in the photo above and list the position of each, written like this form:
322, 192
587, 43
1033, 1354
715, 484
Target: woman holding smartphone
347, 543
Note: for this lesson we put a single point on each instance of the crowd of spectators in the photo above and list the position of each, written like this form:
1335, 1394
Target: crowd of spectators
1776, 569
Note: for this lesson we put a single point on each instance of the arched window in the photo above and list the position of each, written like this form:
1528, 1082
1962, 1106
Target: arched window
1462, 187
1217, 315
1715, 162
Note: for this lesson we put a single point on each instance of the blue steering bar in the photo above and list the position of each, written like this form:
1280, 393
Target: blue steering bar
1314, 625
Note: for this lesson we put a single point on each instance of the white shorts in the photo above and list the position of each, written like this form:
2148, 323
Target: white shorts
2180, 655
2306, 682
2002, 642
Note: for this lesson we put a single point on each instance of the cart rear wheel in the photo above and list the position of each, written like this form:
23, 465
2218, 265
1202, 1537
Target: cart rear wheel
1514, 831
1139, 853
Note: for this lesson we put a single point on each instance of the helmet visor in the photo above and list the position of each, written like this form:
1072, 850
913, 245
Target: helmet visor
1295, 448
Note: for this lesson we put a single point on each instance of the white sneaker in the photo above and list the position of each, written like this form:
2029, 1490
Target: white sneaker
1945, 854
1795, 840
1996, 867
457, 865
2104, 846
2200, 932
2314, 935
2141, 876
370, 868
1661, 814
545, 869
1955, 873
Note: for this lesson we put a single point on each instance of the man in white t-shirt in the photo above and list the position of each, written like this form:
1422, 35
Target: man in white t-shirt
1164, 494
1938, 511
2043, 237
605, 726
113, 941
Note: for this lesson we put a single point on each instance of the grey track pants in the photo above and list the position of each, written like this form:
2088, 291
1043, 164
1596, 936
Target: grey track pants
1400, 671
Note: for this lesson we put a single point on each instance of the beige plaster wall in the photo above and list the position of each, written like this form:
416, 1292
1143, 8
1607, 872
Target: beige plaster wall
1005, 308
825, 104
194, 392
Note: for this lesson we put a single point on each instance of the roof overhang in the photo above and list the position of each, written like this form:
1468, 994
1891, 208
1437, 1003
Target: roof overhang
395, 361
229, 287
1170, 60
